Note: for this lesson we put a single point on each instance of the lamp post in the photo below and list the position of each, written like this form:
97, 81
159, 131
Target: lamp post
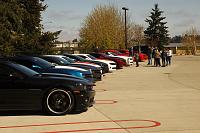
125, 10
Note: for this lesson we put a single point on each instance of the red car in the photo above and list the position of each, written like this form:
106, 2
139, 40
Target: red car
124, 51
120, 62
114, 51
142, 57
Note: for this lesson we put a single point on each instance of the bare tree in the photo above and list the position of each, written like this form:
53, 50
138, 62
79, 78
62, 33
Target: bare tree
136, 33
190, 39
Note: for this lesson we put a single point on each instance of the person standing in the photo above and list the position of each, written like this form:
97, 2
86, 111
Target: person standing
157, 58
137, 58
169, 56
153, 55
163, 57
149, 54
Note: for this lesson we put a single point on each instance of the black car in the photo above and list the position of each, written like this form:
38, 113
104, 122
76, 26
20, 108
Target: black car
24, 89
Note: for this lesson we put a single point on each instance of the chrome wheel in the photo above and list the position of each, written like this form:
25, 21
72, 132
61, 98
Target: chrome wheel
59, 102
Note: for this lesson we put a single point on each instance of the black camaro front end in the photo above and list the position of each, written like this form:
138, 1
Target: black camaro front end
24, 89
84, 97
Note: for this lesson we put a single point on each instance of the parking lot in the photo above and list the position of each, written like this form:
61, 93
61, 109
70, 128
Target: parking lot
141, 99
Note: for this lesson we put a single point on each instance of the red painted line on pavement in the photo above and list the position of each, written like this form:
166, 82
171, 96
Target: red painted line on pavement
155, 124
105, 101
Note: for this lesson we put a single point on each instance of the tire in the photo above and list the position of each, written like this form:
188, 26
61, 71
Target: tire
58, 102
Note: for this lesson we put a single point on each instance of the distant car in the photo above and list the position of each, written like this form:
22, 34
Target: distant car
57, 59
119, 62
24, 89
114, 51
111, 64
142, 56
129, 60
124, 52
80, 60
43, 66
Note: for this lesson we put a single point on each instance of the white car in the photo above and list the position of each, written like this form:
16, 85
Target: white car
129, 60
111, 64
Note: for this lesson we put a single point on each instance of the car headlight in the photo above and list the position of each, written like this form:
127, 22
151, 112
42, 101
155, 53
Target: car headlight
81, 86
79, 74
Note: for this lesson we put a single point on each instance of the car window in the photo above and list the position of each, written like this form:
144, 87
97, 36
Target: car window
68, 59
6, 73
92, 57
82, 56
28, 64
62, 61
25, 63
23, 69
41, 63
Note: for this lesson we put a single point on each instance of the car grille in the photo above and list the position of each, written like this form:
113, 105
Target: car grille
89, 88
97, 74
94, 72
88, 76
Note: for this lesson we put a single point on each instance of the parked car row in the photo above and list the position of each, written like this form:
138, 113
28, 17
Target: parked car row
57, 84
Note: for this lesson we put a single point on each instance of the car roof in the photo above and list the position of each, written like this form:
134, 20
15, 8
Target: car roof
54, 55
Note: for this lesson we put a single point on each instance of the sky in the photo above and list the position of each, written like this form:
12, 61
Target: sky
69, 15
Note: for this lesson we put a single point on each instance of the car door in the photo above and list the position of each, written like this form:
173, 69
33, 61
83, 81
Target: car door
14, 91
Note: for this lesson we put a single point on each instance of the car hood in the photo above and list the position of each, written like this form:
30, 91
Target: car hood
65, 77
90, 64
71, 68
124, 57
105, 61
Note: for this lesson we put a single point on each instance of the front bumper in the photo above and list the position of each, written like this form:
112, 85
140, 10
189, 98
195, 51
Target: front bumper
97, 75
105, 69
84, 100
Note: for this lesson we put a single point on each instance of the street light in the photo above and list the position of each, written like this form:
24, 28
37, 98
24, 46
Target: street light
125, 10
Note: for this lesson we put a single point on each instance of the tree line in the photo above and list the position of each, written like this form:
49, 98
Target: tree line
104, 28
21, 31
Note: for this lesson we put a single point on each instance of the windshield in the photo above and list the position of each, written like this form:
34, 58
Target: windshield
68, 59
24, 70
61, 61
42, 63
113, 54
78, 58
92, 57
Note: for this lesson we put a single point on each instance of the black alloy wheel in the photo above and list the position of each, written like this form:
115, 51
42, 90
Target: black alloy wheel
59, 102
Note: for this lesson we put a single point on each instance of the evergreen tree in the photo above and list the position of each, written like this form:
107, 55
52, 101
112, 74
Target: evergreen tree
156, 34
20, 28
10, 26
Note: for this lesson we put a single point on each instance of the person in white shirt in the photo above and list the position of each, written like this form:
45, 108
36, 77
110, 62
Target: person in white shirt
169, 56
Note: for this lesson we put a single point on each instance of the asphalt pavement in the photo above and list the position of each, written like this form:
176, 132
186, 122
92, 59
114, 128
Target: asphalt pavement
144, 99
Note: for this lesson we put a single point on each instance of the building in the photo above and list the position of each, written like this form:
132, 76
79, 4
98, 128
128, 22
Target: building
66, 47
181, 49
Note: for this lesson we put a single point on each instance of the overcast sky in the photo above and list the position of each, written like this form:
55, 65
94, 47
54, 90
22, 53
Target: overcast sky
68, 15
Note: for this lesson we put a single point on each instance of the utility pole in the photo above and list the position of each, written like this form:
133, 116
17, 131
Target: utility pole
125, 11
